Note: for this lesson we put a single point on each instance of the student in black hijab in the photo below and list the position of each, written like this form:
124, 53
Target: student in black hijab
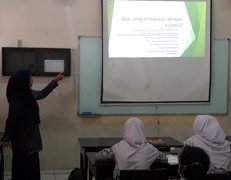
193, 163
22, 125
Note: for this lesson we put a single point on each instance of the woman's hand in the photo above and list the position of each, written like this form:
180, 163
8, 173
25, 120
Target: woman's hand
59, 77
6, 144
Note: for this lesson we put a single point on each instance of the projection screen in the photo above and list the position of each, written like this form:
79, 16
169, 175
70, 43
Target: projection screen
156, 51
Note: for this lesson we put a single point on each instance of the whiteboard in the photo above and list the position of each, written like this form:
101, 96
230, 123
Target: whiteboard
90, 72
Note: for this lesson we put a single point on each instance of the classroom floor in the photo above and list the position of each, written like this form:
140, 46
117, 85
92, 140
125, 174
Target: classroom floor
47, 175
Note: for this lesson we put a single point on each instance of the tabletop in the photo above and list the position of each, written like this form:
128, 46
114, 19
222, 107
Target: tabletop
110, 141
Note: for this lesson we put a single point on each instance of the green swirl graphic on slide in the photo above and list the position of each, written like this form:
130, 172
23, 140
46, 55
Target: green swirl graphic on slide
197, 15
110, 14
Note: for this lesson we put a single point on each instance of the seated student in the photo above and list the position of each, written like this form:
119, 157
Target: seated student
193, 163
209, 136
133, 152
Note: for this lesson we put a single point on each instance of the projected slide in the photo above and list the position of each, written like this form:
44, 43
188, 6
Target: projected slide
156, 51
159, 29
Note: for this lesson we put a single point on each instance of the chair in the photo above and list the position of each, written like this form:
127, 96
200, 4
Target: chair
1, 164
152, 174
226, 176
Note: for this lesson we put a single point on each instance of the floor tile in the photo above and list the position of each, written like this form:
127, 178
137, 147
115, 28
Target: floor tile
47, 177
61, 176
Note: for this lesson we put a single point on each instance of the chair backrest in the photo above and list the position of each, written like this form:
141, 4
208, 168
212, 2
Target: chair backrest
218, 176
76, 174
152, 174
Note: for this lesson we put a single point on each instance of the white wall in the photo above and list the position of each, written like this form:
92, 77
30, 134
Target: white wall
59, 23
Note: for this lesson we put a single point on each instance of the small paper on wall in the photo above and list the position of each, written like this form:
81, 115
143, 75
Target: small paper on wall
53, 65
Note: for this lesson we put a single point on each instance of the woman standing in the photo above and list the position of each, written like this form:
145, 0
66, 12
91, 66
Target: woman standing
22, 125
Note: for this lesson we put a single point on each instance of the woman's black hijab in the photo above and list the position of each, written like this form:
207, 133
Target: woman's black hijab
18, 88
18, 85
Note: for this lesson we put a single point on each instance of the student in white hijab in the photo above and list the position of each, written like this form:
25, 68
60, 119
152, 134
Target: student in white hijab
209, 136
133, 152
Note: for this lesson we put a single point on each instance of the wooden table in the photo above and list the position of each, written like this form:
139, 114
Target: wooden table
97, 144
